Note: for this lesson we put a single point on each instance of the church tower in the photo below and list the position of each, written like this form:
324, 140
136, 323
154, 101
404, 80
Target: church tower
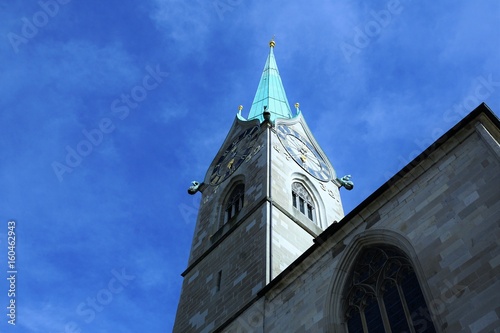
268, 193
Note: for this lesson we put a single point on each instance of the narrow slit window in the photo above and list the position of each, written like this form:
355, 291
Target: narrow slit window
218, 281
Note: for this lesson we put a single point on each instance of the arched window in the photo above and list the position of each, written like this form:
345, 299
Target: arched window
234, 202
383, 294
302, 200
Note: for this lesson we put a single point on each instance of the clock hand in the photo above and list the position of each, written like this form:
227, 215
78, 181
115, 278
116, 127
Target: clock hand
316, 161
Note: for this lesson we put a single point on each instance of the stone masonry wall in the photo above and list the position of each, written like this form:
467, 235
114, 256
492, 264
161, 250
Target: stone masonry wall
444, 214
228, 263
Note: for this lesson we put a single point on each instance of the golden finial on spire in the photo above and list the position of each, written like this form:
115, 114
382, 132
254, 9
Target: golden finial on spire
272, 42
240, 107
297, 105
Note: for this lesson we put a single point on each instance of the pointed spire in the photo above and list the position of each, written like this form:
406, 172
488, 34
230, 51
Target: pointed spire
270, 93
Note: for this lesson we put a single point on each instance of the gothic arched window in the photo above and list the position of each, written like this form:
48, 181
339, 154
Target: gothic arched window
383, 294
302, 200
234, 202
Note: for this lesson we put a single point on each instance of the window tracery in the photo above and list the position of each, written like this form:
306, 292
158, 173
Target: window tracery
302, 200
384, 294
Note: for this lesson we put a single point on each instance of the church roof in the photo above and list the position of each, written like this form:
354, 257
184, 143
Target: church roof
270, 92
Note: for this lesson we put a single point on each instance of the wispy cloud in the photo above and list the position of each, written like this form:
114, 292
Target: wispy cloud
126, 203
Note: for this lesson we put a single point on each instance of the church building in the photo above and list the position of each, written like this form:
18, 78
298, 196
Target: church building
273, 252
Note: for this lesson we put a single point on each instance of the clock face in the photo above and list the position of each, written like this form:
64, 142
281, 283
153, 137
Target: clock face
234, 155
304, 153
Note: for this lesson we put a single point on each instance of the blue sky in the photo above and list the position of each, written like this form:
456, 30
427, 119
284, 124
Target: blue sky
145, 92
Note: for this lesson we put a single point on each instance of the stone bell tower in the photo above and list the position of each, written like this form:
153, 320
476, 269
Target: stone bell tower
268, 193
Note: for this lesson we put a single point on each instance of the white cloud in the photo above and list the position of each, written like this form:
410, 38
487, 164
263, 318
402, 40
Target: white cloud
185, 23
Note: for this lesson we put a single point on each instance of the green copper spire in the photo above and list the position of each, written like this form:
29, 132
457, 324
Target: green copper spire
270, 93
